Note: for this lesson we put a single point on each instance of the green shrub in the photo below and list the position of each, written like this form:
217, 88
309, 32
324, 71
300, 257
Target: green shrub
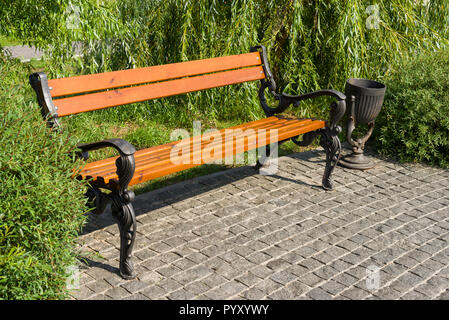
40, 205
414, 122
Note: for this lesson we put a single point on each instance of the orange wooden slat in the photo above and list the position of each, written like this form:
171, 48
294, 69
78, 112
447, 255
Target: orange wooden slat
149, 160
160, 171
167, 167
100, 100
110, 162
115, 79
165, 159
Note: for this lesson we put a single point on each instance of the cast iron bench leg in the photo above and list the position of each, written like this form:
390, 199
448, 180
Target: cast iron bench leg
123, 212
260, 162
332, 146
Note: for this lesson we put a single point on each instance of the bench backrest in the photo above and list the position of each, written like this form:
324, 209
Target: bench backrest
65, 96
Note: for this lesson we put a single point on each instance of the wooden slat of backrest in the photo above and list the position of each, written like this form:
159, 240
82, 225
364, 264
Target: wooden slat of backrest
102, 81
106, 99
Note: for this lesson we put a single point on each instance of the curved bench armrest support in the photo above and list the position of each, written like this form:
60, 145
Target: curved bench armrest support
125, 163
122, 146
338, 108
285, 100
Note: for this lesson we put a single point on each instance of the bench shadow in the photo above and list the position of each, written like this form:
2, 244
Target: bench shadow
190, 188
86, 263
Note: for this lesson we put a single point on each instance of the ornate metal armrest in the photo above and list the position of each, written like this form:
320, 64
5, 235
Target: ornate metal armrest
285, 100
326, 92
337, 111
122, 146
125, 163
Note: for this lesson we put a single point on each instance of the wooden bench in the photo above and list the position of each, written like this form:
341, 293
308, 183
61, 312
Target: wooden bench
67, 96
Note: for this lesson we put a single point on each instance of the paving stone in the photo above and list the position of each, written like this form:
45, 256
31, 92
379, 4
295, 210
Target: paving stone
414, 295
283, 277
326, 272
150, 277
154, 292
281, 294
422, 271
355, 293
410, 279
345, 279
248, 279
134, 286
137, 296
310, 279
319, 294
180, 294
83, 293
253, 294
197, 288
429, 290
277, 264
213, 280
333, 287
444, 295
169, 285
406, 262
99, 286
258, 257
267, 286
297, 288
117, 293
387, 293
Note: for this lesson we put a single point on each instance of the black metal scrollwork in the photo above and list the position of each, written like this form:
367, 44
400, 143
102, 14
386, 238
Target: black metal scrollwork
120, 198
329, 135
123, 212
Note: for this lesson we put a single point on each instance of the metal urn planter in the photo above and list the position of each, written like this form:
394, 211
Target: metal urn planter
364, 98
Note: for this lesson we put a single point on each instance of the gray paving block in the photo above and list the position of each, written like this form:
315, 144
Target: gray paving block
319, 294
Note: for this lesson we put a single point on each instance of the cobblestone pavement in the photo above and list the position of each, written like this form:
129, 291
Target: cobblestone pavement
240, 235
26, 53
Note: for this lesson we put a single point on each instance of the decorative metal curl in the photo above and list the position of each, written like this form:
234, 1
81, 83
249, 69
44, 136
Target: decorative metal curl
96, 200
307, 139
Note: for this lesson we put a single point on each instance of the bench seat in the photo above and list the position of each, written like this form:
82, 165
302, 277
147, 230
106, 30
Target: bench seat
155, 162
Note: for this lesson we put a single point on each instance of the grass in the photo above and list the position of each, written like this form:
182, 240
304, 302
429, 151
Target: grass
9, 41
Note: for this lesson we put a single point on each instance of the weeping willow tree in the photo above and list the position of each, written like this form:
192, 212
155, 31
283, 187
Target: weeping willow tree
312, 43
55, 24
